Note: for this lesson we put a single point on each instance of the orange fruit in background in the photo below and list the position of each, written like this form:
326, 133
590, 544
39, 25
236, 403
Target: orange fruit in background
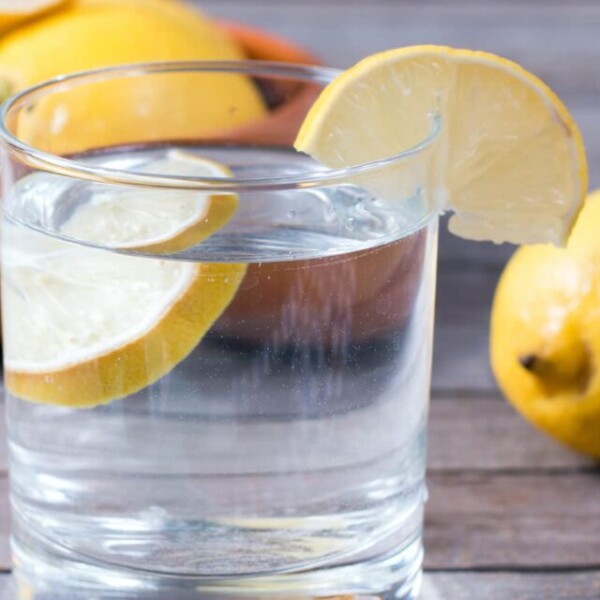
352, 298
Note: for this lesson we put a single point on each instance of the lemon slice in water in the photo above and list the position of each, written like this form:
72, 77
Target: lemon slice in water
514, 163
159, 221
86, 326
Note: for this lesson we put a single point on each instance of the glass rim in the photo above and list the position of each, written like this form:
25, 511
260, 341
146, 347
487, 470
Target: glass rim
71, 167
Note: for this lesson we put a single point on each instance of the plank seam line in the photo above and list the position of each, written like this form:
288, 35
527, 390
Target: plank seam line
525, 569
427, 3
439, 393
493, 266
516, 471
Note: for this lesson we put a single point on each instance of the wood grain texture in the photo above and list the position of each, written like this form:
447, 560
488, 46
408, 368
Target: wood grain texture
475, 586
501, 493
7, 588
470, 431
5, 562
555, 40
483, 520
512, 586
460, 350
484, 433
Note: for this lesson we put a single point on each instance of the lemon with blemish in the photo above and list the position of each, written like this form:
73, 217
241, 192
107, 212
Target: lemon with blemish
545, 334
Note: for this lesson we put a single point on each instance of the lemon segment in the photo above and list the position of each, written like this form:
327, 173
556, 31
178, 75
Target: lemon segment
514, 165
89, 326
160, 221
86, 326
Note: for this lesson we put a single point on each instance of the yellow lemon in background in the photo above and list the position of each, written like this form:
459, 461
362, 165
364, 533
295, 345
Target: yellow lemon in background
98, 33
545, 334
13, 12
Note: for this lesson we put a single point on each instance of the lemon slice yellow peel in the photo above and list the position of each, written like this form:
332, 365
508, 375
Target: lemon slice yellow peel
86, 326
515, 165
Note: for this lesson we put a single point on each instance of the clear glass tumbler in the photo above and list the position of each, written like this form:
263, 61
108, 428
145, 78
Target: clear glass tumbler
217, 351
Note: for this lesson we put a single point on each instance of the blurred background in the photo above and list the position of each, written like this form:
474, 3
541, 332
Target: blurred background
556, 40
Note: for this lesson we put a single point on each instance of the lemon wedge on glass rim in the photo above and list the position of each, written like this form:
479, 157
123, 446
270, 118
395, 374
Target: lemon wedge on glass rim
89, 326
514, 164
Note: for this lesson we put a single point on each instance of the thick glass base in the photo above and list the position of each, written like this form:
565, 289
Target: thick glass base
43, 573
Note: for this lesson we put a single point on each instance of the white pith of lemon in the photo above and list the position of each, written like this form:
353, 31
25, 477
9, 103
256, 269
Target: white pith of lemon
159, 221
86, 326
514, 165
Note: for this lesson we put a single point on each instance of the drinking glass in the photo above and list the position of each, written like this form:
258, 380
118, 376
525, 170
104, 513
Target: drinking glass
238, 408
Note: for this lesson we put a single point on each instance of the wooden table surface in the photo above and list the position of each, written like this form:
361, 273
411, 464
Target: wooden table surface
511, 515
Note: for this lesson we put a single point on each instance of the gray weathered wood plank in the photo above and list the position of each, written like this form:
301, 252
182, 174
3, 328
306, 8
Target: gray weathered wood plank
483, 520
492, 520
5, 562
545, 37
512, 586
476, 432
7, 588
464, 299
475, 586
483, 432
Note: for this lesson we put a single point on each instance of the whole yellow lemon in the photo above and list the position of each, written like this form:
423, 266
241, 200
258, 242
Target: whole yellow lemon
88, 34
545, 334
